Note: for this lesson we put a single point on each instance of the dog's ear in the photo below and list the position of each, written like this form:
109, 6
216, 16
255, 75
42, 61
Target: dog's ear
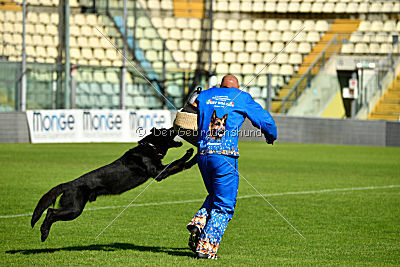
225, 117
214, 116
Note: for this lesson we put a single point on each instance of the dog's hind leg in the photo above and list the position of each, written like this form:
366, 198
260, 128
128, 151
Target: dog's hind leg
72, 204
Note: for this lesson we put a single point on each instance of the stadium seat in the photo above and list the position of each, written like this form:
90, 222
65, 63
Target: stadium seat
376, 26
217, 57
270, 25
235, 68
386, 48
308, 25
258, 25
268, 57
328, 7
238, 46
295, 59
264, 47
316, 7
270, 7
283, 25
375, 7
304, 48
363, 7
277, 47
313, 37
262, 36
275, 36
282, 7
282, 58
361, 48
251, 46
258, 6
237, 35
243, 57
234, 6
355, 38
247, 68
291, 48
273, 69
250, 36
340, 7
321, 26
232, 24
294, 7
256, 57
374, 48
286, 69
219, 24
222, 68
389, 26
352, 7
305, 7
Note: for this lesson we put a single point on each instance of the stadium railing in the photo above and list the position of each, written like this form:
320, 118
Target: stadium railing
304, 82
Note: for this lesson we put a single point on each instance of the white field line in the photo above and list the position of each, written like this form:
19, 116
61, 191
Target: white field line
323, 191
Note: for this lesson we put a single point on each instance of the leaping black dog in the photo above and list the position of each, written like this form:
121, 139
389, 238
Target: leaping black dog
131, 170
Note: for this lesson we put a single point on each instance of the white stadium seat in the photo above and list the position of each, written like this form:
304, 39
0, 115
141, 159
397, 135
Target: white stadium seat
295, 59
264, 46
328, 7
340, 7
238, 46
245, 24
230, 57
361, 48
251, 46
305, 7
270, 25
256, 58
243, 57
282, 7
294, 7
270, 7
262, 36
258, 25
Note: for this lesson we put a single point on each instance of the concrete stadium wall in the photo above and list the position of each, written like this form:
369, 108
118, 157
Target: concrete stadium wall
14, 129
333, 131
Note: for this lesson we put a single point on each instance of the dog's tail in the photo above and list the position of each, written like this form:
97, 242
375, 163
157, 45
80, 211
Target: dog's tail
45, 202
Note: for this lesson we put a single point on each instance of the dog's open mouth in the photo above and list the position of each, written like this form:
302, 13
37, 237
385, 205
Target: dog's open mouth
218, 133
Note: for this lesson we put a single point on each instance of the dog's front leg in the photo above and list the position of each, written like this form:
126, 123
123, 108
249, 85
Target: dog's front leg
175, 166
189, 164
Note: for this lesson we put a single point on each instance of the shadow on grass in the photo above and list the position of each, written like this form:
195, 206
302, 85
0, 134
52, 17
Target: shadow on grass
108, 247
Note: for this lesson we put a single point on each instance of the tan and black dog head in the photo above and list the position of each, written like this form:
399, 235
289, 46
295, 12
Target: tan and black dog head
217, 126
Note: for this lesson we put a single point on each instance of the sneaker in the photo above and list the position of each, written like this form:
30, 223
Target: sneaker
194, 237
200, 255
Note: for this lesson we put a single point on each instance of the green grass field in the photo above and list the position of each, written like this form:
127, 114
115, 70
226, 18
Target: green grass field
337, 196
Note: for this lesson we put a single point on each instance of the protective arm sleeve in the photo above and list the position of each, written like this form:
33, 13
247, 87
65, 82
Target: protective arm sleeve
261, 119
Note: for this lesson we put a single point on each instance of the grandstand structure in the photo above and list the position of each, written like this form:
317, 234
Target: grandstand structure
276, 48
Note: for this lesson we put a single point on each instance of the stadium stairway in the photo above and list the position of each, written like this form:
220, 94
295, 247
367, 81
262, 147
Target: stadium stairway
189, 8
388, 106
10, 5
342, 28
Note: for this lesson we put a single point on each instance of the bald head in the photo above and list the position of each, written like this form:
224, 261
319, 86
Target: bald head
229, 81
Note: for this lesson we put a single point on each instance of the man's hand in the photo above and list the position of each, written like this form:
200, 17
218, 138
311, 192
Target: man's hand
269, 138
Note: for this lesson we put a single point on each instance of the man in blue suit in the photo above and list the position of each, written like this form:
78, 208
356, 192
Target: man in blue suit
222, 111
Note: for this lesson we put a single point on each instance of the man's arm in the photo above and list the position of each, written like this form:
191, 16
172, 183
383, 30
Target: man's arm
261, 119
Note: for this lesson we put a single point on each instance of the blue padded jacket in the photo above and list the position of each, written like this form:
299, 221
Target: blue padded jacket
222, 112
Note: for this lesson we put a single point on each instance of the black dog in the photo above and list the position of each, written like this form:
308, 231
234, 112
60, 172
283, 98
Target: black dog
131, 170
